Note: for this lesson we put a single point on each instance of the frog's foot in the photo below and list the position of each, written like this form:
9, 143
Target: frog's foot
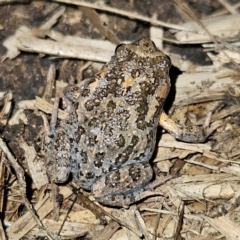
123, 186
125, 200
187, 134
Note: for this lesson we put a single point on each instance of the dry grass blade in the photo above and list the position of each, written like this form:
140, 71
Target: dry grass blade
70, 230
131, 15
36, 168
224, 11
68, 46
50, 83
2, 195
7, 99
213, 38
96, 21
61, 50
225, 27
224, 225
13, 1
192, 88
48, 24
205, 186
25, 223
47, 108
108, 231
230, 8
22, 185
183, 5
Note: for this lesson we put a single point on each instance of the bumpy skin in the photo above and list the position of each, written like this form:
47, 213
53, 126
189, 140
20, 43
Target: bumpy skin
110, 134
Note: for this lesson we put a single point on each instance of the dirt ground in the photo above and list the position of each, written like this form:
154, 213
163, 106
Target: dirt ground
44, 46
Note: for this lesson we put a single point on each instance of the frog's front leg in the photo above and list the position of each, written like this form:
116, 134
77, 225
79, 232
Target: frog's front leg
60, 138
73, 92
186, 134
122, 186
58, 147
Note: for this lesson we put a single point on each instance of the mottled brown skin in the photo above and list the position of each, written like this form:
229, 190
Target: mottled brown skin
110, 134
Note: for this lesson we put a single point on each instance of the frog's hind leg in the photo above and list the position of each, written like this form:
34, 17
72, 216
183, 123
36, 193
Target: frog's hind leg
122, 187
192, 134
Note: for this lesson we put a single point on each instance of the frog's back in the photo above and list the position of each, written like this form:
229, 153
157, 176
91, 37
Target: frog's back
118, 112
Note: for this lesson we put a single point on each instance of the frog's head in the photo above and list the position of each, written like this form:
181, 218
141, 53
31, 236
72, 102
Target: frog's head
145, 53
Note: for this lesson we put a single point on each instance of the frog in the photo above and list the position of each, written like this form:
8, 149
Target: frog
109, 136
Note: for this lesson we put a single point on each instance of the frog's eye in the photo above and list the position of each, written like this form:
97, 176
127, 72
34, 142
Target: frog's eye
118, 47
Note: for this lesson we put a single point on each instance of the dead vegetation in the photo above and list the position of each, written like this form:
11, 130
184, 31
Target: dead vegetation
203, 201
